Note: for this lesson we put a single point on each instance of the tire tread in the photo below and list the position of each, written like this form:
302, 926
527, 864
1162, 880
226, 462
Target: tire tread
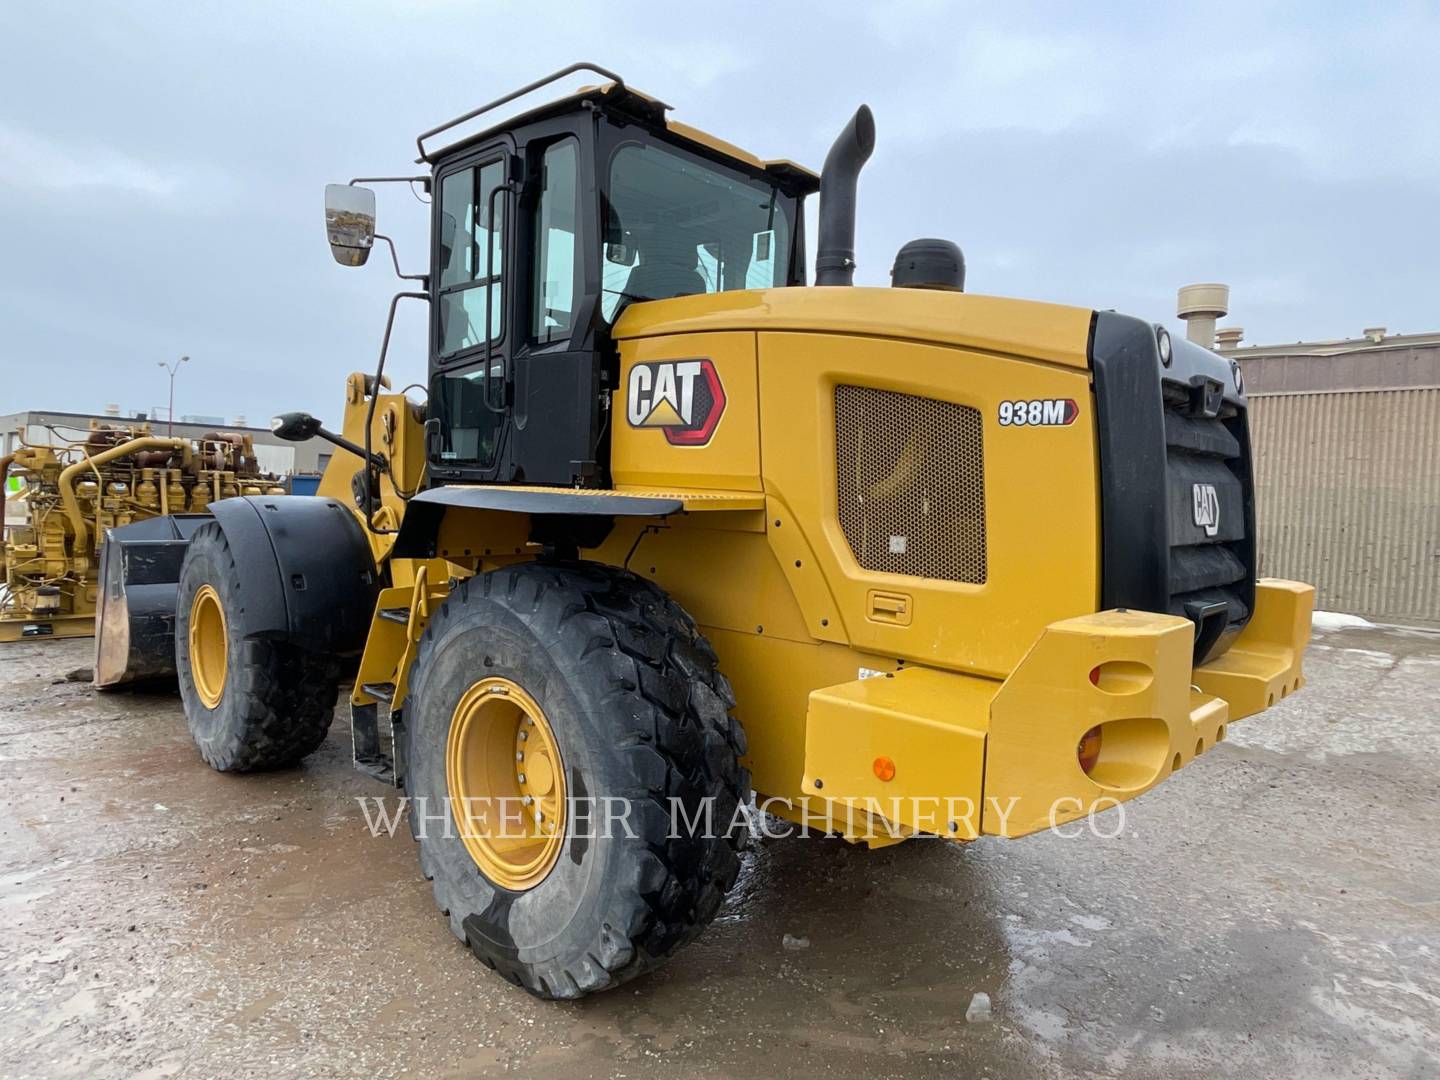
286, 695
657, 659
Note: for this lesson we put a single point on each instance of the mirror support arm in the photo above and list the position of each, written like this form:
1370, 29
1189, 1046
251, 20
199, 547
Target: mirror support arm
423, 181
375, 460
424, 279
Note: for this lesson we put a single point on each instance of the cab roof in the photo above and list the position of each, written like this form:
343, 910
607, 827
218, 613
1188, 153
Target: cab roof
613, 93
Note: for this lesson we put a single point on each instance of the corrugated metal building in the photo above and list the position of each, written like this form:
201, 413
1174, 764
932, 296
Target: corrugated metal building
1347, 459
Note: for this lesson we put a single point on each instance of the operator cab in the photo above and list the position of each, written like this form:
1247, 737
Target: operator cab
543, 230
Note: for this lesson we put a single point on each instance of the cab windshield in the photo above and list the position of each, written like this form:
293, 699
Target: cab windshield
677, 227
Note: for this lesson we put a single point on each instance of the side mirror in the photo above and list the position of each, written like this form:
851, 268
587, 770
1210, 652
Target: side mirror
349, 222
297, 426
294, 426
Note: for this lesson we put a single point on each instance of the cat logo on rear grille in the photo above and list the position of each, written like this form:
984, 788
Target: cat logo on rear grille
683, 398
1207, 508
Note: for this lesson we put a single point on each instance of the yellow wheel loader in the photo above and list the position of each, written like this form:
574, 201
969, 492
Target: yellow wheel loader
962, 565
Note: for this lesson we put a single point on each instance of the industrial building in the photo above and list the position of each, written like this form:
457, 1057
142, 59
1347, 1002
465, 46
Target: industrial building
1346, 445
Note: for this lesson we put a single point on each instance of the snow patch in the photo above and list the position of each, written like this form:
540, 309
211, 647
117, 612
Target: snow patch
1338, 620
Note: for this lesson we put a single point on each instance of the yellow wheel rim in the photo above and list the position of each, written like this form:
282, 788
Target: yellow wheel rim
506, 783
208, 653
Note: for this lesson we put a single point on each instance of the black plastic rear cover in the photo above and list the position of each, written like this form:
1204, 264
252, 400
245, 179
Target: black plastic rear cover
1177, 491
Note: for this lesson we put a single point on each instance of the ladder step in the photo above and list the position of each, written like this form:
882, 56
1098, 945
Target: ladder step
395, 614
370, 759
377, 768
380, 691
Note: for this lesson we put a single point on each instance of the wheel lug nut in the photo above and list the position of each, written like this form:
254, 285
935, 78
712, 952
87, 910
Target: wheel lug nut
521, 778
519, 756
523, 736
526, 800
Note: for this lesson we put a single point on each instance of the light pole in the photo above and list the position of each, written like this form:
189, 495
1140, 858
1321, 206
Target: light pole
172, 369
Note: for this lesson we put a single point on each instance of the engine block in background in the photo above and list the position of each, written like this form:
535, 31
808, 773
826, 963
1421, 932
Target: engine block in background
71, 494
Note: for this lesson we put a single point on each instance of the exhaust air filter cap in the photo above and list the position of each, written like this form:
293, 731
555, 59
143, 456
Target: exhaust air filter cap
929, 264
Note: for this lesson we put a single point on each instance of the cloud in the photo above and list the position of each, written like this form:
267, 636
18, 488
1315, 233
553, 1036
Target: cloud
1100, 154
30, 162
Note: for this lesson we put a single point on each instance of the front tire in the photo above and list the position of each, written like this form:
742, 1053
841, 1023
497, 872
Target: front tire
637, 716
251, 704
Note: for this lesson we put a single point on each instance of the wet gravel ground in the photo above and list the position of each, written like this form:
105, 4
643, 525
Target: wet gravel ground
1272, 910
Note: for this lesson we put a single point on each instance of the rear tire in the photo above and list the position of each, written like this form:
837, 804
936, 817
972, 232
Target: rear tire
271, 702
639, 711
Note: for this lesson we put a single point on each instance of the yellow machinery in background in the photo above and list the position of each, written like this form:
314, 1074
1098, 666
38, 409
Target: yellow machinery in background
73, 493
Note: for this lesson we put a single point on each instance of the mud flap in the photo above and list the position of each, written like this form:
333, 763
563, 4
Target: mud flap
135, 614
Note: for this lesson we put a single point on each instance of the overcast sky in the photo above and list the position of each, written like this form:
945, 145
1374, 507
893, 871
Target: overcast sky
162, 165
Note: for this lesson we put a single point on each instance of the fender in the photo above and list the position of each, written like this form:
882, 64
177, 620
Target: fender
585, 513
306, 569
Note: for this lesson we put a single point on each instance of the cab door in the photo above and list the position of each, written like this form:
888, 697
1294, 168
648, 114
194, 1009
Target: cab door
471, 318
518, 376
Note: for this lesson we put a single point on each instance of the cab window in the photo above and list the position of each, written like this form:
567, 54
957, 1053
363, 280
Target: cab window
676, 226
470, 430
553, 299
471, 257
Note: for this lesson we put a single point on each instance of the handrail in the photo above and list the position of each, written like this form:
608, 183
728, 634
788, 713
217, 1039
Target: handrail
490, 283
367, 465
536, 85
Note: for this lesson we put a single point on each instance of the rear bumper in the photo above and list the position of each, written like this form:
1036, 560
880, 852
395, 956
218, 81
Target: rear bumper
1156, 713
1263, 665
973, 756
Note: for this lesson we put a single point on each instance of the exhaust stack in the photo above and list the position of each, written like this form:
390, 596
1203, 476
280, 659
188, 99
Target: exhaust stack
1200, 306
835, 246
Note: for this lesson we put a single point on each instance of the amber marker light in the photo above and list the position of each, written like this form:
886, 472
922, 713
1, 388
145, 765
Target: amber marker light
884, 768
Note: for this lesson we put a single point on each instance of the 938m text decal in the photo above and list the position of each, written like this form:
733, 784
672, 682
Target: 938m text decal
1039, 412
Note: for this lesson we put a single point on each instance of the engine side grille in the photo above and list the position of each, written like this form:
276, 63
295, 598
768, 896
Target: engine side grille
910, 484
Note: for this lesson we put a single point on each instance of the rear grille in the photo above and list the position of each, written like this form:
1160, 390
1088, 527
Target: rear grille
910, 484
1177, 499
1206, 570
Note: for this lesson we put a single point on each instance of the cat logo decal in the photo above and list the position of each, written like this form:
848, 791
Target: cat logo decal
683, 398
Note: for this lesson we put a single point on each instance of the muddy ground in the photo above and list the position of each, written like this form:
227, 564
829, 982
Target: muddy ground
1272, 910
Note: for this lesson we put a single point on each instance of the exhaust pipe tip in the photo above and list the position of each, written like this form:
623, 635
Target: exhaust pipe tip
839, 179
862, 124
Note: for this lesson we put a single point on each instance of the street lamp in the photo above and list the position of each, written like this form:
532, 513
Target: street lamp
172, 369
